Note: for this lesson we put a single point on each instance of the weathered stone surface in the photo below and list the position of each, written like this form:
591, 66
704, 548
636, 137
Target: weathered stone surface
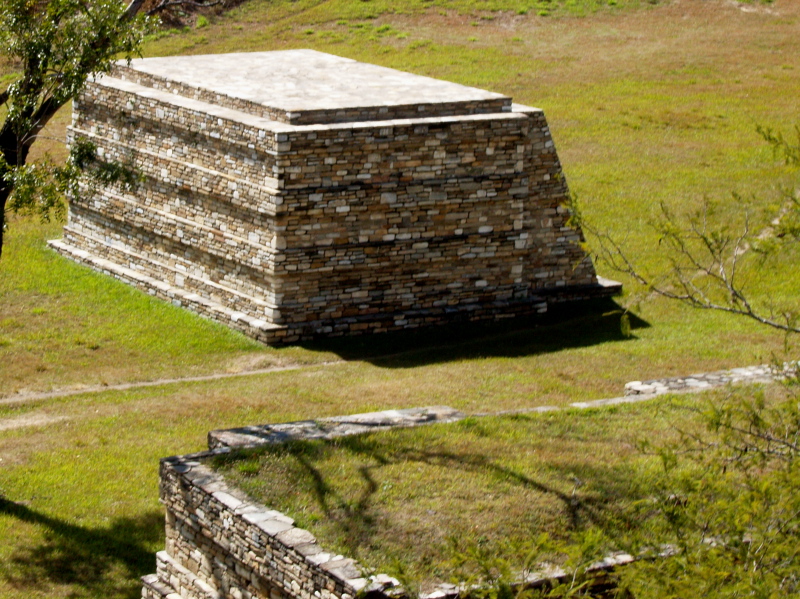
329, 428
707, 380
295, 537
303, 86
296, 194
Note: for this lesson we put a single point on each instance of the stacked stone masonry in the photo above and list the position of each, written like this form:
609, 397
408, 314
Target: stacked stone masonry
221, 544
385, 201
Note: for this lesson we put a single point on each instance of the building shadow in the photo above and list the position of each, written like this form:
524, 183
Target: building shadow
102, 562
564, 326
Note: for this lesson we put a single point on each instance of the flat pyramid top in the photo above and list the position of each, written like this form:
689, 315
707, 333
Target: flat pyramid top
306, 86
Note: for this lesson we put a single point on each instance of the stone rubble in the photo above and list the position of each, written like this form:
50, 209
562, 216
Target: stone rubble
708, 380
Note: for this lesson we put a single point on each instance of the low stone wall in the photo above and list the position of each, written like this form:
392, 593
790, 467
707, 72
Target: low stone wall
220, 543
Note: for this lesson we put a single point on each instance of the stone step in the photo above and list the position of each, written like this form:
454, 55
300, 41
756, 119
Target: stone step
249, 325
256, 188
155, 588
348, 88
161, 224
179, 265
229, 159
197, 206
187, 584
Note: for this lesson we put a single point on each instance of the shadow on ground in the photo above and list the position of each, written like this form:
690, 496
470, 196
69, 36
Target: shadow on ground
100, 562
564, 326
586, 494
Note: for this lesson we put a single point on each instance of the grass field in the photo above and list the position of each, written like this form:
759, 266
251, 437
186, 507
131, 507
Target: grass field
417, 501
648, 103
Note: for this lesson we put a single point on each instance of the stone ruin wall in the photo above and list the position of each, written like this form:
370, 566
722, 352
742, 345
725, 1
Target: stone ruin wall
202, 215
438, 215
220, 544
328, 228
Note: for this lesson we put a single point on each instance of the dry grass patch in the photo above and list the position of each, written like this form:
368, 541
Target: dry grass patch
63, 326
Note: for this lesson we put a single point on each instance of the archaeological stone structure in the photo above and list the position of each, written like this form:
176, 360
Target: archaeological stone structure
297, 194
221, 544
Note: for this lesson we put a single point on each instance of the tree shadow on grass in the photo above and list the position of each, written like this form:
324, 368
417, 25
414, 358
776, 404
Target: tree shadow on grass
588, 494
587, 504
568, 325
105, 562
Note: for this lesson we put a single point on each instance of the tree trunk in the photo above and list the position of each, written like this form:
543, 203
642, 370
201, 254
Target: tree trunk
132, 9
14, 154
5, 192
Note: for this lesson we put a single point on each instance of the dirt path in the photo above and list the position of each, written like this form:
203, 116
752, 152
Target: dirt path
20, 398
34, 419
635, 391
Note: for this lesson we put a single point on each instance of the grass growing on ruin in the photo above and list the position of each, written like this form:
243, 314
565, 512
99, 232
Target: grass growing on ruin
428, 502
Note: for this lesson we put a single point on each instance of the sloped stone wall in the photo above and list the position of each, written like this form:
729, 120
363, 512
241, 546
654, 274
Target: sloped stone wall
328, 222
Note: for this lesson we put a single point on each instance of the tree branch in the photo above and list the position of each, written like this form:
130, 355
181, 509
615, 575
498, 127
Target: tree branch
717, 258
39, 119
164, 4
132, 10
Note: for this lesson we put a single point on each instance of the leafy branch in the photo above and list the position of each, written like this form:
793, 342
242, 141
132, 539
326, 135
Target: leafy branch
57, 45
706, 259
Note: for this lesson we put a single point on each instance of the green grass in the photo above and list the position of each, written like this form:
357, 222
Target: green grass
647, 103
418, 500
62, 325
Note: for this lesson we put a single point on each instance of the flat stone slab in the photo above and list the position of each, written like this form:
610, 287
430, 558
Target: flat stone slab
329, 428
707, 380
306, 81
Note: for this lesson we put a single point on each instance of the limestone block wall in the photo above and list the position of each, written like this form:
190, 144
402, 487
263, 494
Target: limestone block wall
438, 214
221, 544
291, 224
203, 211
